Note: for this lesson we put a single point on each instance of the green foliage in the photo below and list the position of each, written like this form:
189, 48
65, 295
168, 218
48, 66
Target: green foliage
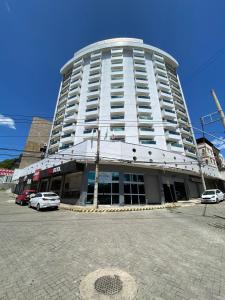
10, 164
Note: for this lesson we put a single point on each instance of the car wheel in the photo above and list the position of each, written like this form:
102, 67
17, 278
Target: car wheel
56, 208
38, 207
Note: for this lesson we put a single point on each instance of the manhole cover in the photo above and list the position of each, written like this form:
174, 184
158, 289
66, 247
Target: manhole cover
109, 285
106, 284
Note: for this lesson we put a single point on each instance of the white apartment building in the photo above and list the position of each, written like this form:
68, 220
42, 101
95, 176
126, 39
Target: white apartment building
132, 93
128, 89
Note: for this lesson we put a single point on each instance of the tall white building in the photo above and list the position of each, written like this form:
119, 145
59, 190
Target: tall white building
128, 89
132, 93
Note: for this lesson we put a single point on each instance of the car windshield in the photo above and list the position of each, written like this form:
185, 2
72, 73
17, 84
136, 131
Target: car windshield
50, 195
209, 193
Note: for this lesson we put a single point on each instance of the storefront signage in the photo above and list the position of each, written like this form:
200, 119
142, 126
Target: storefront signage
6, 172
37, 175
56, 169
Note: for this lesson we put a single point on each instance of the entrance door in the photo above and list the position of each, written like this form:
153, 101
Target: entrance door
169, 192
180, 191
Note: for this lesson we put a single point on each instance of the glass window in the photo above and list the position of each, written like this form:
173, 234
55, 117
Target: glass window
91, 187
115, 176
115, 199
126, 177
134, 189
115, 188
134, 178
135, 199
142, 199
91, 176
90, 199
140, 178
126, 188
127, 199
104, 188
141, 189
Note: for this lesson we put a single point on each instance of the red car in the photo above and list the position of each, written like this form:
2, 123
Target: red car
24, 197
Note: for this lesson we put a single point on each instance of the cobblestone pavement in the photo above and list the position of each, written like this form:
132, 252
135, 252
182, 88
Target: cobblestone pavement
171, 253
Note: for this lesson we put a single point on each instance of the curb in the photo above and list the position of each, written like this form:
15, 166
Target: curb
102, 210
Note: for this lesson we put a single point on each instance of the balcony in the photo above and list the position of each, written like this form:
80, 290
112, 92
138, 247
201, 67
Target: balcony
145, 119
158, 63
143, 99
96, 55
77, 69
72, 100
92, 112
71, 108
57, 126
94, 93
158, 57
74, 92
117, 132
177, 97
91, 121
179, 104
66, 146
115, 110
176, 147
69, 127
68, 138
161, 78
54, 145
166, 103
188, 142
61, 108
92, 103
145, 109
164, 94
70, 118
76, 76
185, 132
160, 70
117, 51
181, 112
62, 100
163, 87
190, 152
183, 121
137, 51
168, 113
146, 132
172, 135
139, 60
170, 124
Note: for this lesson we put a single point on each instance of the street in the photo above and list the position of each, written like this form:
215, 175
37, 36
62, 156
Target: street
171, 253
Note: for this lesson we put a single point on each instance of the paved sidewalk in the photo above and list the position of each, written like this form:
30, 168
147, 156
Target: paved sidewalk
172, 254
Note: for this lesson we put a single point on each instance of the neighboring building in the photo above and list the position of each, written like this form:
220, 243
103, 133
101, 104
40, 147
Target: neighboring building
6, 175
208, 152
36, 142
132, 93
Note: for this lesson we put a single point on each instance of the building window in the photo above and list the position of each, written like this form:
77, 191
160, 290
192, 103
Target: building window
134, 189
108, 188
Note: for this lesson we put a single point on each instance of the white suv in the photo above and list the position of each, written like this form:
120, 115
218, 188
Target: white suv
212, 196
44, 200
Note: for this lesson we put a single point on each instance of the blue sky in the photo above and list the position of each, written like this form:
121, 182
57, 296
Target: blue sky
38, 36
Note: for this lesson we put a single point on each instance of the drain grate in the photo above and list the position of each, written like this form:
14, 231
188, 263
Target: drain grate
109, 285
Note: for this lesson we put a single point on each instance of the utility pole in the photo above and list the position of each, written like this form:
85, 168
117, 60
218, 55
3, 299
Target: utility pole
219, 108
95, 202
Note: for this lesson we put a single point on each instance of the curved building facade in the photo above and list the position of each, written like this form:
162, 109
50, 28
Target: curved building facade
131, 92
128, 89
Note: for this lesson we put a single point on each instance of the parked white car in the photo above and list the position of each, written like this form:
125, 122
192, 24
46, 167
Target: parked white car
44, 200
212, 196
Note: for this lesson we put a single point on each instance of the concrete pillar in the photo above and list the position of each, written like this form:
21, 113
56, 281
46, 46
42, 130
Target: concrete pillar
83, 188
121, 189
161, 191
62, 185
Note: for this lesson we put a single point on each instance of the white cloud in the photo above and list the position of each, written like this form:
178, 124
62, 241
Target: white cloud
6, 121
219, 143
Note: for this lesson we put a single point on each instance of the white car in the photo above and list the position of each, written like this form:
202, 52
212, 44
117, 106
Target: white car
212, 196
44, 200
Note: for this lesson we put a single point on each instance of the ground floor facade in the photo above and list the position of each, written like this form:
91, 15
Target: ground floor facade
118, 184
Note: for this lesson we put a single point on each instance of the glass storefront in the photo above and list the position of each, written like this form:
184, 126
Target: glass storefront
108, 189
134, 189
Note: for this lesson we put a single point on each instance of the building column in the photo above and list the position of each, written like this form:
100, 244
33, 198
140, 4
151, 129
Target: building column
161, 191
187, 187
121, 189
62, 185
83, 188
